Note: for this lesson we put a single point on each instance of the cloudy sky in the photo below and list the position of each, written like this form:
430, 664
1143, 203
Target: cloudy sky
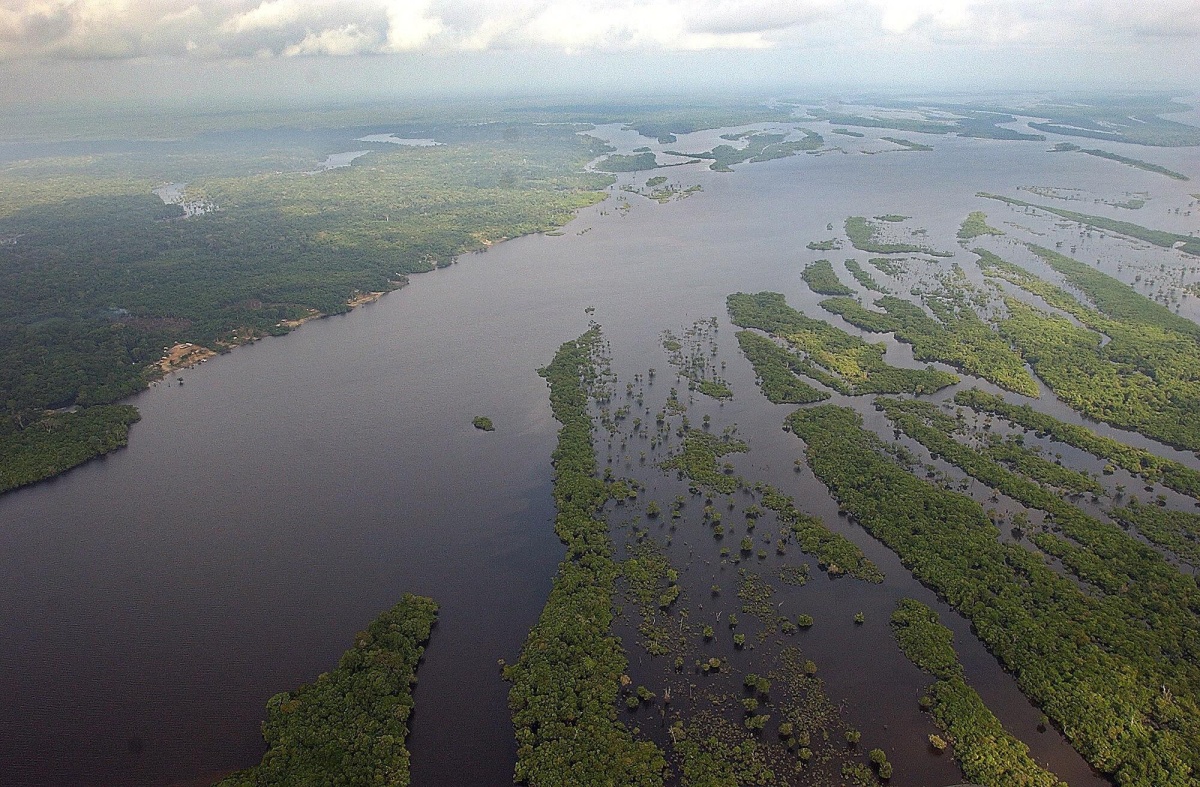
64, 50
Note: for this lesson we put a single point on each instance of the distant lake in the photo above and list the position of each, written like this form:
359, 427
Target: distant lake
335, 160
289, 491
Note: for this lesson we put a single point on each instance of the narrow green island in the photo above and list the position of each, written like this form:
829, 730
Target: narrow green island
566, 682
824, 353
1189, 244
1093, 668
821, 278
1141, 378
1140, 462
349, 727
1067, 147
988, 754
908, 144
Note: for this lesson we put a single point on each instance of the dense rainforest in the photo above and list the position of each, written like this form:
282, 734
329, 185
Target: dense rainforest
100, 276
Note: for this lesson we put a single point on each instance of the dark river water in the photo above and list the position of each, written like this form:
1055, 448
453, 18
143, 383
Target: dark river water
291, 490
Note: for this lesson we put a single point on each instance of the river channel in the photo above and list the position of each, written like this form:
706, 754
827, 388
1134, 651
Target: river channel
286, 493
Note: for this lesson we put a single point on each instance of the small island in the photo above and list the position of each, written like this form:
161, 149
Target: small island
484, 423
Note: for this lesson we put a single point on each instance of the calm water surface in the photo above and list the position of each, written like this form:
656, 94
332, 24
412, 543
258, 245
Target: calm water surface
290, 491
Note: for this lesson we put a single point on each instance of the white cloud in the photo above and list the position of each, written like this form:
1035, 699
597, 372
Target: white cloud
283, 28
338, 42
410, 25
269, 15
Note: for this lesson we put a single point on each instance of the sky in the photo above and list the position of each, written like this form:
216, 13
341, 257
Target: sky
58, 52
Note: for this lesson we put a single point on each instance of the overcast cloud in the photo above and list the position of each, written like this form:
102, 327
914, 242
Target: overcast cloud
1121, 40
84, 29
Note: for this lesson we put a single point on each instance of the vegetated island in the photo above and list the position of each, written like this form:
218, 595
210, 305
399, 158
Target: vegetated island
619, 162
1065, 646
1188, 244
865, 236
787, 722
1136, 119
820, 278
863, 277
690, 355
954, 334
349, 727
824, 353
566, 681
1141, 378
483, 423
974, 225
1140, 462
1068, 147
908, 144
759, 147
988, 754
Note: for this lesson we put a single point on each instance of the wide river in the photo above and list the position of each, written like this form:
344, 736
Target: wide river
287, 492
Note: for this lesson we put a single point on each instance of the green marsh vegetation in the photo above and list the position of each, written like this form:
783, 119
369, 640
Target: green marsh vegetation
1013, 454
775, 369
662, 192
1140, 462
821, 278
697, 460
864, 278
1132, 118
664, 122
349, 727
1142, 378
483, 423
1175, 531
651, 583
893, 268
975, 225
988, 754
825, 245
566, 681
283, 246
836, 555
1095, 670
774, 720
1133, 586
966, 122
954, 335
866, 236
1188, 244
830, 356
692, 356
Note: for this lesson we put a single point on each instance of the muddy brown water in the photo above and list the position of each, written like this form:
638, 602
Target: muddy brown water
289, 491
